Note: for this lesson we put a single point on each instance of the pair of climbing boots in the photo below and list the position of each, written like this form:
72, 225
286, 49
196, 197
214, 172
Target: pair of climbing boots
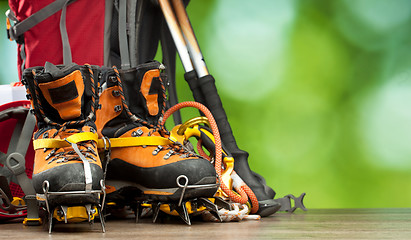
100, 140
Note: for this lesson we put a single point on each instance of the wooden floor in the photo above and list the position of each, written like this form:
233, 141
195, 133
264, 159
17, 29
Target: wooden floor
315, 224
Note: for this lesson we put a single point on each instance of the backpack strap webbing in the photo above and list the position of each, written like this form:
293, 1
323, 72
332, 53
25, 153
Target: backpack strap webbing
20, 27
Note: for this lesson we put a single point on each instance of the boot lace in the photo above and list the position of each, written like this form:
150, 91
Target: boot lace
62, 156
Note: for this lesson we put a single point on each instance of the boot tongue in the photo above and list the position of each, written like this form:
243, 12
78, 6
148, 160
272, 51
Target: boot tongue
64, 90
57, 72
51, 68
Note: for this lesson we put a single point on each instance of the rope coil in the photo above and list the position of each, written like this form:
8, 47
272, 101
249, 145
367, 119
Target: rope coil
243, 191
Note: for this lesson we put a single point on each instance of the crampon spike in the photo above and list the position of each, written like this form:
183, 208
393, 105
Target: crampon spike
210, 206
222, 203
138, 210
156, 210
182, 212
88, 209
64, 210
102, 221
50, 222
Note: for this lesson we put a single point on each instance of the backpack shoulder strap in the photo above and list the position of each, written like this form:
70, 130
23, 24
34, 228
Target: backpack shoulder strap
19, 28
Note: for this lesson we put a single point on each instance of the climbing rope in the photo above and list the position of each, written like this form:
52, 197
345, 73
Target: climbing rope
243, 191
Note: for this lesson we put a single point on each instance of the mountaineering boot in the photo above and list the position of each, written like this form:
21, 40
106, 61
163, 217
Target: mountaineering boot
148, 166
67, 168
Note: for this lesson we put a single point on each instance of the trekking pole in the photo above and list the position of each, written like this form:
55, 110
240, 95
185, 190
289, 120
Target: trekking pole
190, 76
191, 40
176, 35
206, 81
206, 92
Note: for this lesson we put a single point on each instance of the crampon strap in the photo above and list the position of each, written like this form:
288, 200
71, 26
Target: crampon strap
133, 141
101, 143
60, 143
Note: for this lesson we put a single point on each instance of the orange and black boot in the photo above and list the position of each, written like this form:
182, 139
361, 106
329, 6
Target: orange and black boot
67, 172
144, 164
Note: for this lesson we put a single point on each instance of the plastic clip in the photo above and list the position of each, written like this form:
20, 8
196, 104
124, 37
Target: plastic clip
286, 203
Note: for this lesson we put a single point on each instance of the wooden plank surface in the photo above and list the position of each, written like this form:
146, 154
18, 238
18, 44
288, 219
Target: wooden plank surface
314, 224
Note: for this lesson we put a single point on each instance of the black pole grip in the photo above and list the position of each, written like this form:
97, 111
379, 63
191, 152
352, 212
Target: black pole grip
192, 80
214, 104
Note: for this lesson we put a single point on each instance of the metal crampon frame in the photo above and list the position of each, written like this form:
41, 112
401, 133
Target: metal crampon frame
182, 207
66, 214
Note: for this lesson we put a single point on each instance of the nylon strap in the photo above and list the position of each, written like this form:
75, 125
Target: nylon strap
23, 57
67, 59
26, 133
114, 142
135, 141
108, 17
87, 169
132, 43
122, 35
20, 28
59, 143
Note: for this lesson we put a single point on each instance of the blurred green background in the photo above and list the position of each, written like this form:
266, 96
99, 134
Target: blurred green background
317, 91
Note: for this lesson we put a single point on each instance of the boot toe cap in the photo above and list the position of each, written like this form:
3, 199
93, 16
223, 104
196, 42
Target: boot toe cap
67, 177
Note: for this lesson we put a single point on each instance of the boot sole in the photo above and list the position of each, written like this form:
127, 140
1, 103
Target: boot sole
137, 192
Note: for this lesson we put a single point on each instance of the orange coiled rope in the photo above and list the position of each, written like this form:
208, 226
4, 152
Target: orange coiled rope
244, 191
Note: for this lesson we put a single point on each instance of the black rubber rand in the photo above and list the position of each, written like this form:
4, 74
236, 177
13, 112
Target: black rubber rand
158, 179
